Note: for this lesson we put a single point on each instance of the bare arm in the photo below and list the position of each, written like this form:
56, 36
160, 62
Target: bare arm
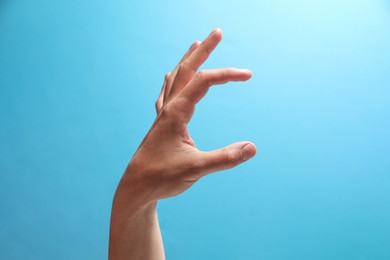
167, 161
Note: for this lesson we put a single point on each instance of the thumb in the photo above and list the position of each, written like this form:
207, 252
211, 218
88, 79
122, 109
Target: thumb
227, 157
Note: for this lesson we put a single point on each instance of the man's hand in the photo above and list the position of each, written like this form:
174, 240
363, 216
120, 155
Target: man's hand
167, 162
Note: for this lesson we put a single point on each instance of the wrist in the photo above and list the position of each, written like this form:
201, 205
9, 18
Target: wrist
132, 197
133, 222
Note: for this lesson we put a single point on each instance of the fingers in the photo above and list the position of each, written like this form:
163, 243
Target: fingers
204, 50
193, 47
191, 64
168, 79
171, 78
199, 85
160, 99
227, 157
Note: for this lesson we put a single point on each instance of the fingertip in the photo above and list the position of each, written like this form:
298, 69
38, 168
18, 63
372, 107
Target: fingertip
195, 45
248, 150
242, 74
218, 30
248, 73
216, 33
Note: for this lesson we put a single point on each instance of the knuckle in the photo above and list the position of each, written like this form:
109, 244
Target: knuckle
157, 105
230, 158
183, 68
176, 112
202, 76
167, 111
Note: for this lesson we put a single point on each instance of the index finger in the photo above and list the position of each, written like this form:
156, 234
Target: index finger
200, 55
189, 66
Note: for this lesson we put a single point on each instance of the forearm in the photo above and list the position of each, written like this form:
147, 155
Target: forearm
134, 232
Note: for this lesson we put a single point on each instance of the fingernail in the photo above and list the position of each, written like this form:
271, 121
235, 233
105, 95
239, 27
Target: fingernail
246, 70
195, 44
247, 152
213, 31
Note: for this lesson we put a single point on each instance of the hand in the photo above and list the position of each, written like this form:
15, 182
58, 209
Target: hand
167, 162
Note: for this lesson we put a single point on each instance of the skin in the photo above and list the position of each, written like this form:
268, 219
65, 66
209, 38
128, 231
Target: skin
167, 161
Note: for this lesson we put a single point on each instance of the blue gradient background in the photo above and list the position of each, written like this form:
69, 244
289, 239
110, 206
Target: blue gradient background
78, 81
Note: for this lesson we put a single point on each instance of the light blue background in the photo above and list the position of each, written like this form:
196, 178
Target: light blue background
78, 81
